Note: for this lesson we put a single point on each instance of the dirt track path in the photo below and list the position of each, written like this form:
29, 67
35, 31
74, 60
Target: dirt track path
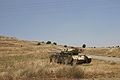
105, 58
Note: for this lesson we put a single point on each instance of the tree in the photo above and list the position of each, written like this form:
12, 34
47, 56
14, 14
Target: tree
55, 43
117, 46
84, 46
65, 45
48, 42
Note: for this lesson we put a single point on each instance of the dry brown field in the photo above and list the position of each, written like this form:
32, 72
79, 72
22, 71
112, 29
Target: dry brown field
111, 52
25, 60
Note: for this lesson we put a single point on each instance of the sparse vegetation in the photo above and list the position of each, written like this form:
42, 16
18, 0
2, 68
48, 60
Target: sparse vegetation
70, 72
117, 46
65, 46
31, 62
84, 46
48, 42
103, 51
38, 43
54, 43
42, 42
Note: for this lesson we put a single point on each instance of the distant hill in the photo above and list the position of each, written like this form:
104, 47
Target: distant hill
12, 43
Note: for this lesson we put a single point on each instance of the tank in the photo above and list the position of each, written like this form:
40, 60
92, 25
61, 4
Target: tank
80, 59
72, 57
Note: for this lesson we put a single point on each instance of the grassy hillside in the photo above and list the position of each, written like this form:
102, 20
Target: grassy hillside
112, 52
25, 60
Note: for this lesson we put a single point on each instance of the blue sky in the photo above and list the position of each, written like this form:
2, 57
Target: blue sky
71, 22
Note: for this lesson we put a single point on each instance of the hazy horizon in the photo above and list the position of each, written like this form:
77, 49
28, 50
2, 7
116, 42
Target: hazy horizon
90, 22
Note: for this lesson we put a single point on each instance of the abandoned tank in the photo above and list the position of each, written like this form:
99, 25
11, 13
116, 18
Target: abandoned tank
72, 57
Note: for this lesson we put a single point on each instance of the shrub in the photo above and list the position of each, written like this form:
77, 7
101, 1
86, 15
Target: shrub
117, 46
84, 46
38, 43
72, 47
48, 42
65, 45
43, 42
55, 43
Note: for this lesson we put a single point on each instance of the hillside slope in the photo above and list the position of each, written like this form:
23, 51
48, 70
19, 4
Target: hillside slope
25, 60
10, 45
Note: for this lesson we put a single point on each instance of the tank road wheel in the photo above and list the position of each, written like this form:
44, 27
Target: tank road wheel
74, 62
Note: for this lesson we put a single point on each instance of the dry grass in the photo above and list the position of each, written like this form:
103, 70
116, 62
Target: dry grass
101, 69
113, 52
31, 62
